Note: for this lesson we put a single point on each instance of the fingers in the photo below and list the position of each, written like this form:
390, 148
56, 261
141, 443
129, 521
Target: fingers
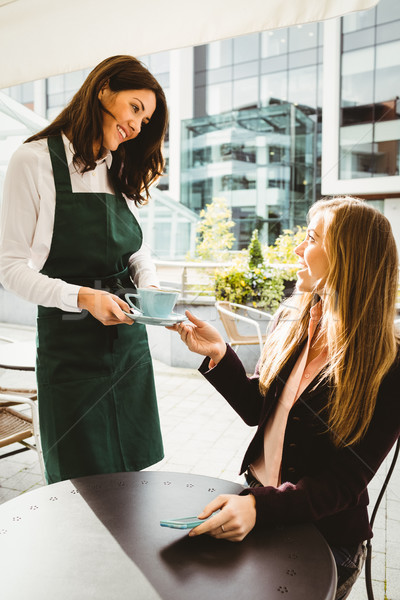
233, 522
193, 319
121, 303
215, 522
213, 506
117, 306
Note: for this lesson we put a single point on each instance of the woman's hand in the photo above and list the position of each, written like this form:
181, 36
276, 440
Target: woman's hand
235, 520
103, 306
202, 338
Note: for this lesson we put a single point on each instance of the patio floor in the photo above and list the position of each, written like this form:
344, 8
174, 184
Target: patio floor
203, 435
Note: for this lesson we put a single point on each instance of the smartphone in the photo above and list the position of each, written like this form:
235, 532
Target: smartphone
184, 523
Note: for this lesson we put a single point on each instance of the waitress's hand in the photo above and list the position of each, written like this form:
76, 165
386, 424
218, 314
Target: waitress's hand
235, 520
103, 306
202, 338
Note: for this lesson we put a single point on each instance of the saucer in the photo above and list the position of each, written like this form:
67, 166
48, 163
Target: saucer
172, 319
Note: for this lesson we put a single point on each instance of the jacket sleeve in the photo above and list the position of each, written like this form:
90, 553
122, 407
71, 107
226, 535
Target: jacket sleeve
230, 380
338, 484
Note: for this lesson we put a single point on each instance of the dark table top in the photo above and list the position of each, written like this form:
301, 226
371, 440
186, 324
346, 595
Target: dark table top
100, 537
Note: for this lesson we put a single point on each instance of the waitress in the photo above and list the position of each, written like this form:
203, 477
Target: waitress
70, 241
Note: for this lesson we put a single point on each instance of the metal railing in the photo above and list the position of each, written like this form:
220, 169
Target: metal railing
195, 280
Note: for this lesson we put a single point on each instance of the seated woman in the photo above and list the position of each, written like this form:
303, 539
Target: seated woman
325, 395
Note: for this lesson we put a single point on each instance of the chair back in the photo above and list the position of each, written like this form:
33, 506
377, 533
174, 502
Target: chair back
227, 317
231, 314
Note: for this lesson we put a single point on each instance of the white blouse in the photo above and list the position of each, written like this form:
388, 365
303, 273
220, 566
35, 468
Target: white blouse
27, 221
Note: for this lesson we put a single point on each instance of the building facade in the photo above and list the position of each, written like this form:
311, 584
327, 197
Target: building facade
270, 121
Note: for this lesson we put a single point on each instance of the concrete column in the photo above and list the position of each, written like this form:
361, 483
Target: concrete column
180, 107
39, 97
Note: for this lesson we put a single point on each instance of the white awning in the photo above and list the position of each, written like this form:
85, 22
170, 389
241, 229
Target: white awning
40, 38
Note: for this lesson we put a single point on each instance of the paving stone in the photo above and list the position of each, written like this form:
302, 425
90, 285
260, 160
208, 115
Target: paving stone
393, 530
393, 583
393, 555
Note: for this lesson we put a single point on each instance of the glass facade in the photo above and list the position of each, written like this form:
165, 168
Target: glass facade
261, 160
259, 69
255, 136
159, 65
370, 91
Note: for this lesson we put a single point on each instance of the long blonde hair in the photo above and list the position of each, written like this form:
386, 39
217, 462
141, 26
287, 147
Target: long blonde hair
358, 315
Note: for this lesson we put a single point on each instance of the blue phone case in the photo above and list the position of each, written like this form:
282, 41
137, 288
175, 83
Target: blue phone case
184, 523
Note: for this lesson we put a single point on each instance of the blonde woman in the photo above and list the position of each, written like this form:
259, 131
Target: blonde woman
325, 395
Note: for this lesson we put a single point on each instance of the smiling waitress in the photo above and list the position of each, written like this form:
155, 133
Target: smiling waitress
71, 242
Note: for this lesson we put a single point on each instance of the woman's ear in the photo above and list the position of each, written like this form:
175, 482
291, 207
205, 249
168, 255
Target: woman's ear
105, 89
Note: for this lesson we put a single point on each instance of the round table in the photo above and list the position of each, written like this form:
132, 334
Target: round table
100, 537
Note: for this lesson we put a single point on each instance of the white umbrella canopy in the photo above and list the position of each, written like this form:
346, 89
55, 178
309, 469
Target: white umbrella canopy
40, 38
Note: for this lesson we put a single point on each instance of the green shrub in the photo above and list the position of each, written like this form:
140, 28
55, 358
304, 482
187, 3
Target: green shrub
282, 251
253, 279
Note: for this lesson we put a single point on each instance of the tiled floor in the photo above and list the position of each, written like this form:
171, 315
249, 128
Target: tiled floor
203, 435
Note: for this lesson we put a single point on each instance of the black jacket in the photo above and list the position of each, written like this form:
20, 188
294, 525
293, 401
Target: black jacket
321, 484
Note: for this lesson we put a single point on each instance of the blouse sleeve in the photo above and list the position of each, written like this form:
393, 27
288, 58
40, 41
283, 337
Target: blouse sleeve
142, 268
19, 216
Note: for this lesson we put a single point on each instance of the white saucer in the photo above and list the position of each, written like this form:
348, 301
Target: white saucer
172, 319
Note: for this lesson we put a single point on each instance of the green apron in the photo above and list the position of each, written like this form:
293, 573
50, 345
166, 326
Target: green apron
97, 402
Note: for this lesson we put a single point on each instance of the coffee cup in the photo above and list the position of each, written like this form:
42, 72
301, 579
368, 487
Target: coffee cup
154, 302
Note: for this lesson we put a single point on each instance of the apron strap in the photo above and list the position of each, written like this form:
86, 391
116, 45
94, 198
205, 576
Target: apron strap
62, 179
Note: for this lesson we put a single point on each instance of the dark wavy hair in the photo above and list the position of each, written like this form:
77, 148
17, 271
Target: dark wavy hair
136, 163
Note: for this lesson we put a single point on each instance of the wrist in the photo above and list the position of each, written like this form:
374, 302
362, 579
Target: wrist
218, 355
83, 295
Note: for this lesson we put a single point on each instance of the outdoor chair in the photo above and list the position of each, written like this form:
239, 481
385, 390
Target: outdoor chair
232, 315
17, 425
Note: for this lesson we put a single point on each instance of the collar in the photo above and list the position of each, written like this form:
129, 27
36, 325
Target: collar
316, 311
69, 153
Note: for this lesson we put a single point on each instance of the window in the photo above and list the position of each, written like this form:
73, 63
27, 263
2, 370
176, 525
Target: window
274, 42
302, 86
387, 76
245, 92
302, 37
219, 54
246, 48
357, 77
219, 98
273, 87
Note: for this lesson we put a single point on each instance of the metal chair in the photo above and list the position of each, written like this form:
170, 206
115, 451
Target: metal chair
15, 425
232, 314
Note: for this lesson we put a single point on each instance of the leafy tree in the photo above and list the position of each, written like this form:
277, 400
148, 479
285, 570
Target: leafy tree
256, 258
215, 237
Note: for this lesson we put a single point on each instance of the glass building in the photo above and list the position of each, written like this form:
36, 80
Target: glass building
270, 121
261, 160
253, 138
